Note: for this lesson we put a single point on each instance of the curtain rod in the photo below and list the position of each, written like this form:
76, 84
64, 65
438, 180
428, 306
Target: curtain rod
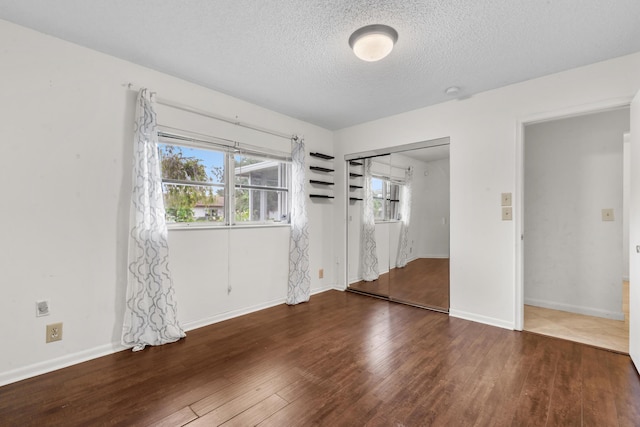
188, 109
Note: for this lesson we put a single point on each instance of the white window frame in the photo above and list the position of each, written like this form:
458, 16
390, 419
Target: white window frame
230, 151
284, 175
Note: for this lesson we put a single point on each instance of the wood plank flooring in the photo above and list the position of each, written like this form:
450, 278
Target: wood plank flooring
423, 281
342, 359
597, 331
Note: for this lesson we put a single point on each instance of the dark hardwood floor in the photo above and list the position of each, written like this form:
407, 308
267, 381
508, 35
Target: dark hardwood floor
340, 360
423, 281
378, 287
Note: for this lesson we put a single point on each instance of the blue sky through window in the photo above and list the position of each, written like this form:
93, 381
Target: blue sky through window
210, 159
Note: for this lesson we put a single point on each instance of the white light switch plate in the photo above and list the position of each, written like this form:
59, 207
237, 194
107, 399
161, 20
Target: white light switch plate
607, 215
507, 214
506, 199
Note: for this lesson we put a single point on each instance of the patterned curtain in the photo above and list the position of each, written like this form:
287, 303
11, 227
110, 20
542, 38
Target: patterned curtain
368, 251
405, 212
299, 289
150, 314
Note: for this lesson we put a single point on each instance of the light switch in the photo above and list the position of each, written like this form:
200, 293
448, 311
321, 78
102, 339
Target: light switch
607, 215
507, 214
506, 199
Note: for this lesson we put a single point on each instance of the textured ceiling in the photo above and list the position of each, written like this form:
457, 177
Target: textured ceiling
292, 56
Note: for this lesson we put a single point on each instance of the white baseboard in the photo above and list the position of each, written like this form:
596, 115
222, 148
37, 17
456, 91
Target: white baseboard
481, 319
589, 311
359, 279
410, 259
434, 256
189, 326
104, 350
246, 310
58, 363
324, 289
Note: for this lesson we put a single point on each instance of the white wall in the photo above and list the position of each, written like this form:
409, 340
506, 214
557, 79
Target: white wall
67, 120
483, 131
431, 208
573, 169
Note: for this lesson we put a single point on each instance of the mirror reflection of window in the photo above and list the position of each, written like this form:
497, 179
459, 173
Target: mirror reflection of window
377, 188
410, 193
386, 199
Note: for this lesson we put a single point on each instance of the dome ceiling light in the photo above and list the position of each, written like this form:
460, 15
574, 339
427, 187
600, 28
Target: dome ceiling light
373, 42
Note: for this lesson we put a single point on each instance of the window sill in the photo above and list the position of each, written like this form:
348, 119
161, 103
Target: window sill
195, 226
387, 221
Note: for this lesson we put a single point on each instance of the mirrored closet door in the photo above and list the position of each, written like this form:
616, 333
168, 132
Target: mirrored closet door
398, 224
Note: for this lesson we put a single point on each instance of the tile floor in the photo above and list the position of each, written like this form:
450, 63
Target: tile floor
596, 331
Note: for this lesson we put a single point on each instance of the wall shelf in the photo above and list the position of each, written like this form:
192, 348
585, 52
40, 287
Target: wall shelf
322, 156
354, 186
322, 181
320, 169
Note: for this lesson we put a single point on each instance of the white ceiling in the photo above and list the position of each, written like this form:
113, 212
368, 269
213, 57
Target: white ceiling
292, 56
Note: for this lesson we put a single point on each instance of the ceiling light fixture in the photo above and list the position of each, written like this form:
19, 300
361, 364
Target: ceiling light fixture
373, 42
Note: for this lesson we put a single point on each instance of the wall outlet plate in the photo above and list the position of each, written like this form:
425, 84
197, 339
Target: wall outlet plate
607, 215
54, 332
42, 308
506, 199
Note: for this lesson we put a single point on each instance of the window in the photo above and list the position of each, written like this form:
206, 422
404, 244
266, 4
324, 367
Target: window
193, 184
195, 191
261, 189
386, 198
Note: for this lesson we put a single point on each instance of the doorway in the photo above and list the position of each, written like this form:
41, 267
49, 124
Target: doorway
572, 223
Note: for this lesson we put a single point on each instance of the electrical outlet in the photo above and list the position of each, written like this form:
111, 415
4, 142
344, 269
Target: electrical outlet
506, 199
42, 308
321, 273
54, 332
607, 215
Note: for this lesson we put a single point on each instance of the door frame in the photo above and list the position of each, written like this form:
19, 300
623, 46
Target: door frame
578, 110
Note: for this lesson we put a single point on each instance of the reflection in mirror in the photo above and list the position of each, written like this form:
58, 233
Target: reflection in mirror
420, 273
398, 224
369, 214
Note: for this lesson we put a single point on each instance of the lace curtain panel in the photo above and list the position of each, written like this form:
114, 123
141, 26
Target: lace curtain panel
368, 250
150, 313
299, 287
405, 216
